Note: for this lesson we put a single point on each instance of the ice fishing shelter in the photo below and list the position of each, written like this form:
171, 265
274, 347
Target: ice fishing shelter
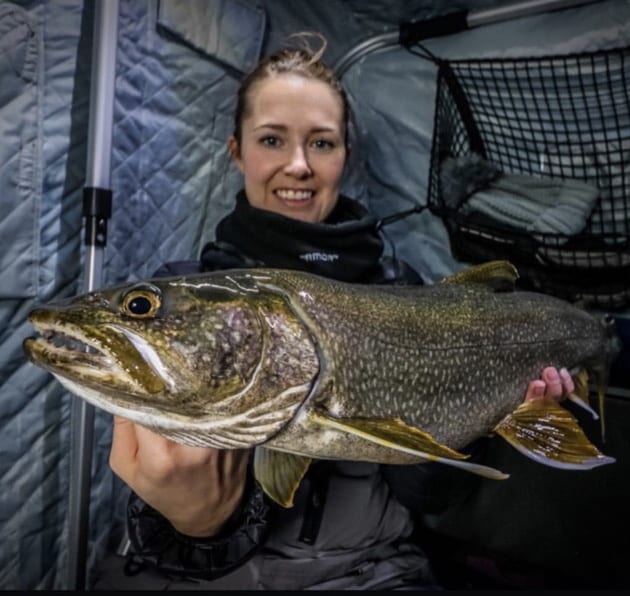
532, 89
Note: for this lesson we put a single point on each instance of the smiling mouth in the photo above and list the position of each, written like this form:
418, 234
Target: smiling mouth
295, 195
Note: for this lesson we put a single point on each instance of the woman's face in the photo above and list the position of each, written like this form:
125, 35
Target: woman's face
292, 151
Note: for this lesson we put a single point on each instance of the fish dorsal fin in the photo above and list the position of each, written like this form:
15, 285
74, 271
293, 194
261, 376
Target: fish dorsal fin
395, 434
549, 434
279, 473
500, 276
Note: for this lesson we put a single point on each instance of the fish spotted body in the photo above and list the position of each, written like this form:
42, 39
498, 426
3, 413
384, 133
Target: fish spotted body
305, 367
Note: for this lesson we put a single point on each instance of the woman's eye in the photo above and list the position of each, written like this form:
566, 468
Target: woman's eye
323, 144
270, 141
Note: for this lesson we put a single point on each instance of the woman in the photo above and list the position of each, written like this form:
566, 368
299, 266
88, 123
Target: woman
196, 514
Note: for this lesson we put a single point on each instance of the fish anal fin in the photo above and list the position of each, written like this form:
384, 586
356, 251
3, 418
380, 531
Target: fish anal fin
549, 434
500, 276
279, 473
395, 434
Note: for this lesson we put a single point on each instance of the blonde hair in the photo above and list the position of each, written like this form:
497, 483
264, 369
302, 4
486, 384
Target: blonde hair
302, 61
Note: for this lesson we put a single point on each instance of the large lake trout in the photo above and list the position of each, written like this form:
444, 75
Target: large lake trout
304, 367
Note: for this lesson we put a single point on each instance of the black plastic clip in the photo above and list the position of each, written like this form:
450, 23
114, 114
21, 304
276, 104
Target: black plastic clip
97, 209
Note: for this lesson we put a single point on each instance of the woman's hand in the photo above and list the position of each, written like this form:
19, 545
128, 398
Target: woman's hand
555, 384
196, 488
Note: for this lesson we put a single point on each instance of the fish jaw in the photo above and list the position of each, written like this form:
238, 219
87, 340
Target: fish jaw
91, 356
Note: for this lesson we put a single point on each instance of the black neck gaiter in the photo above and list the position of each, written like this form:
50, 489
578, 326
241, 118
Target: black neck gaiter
346, 246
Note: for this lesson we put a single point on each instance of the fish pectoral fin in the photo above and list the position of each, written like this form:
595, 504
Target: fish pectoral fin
499, 276
549, 434
279, 473
396, 434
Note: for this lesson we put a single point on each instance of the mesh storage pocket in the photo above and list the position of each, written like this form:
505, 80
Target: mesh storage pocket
555, 124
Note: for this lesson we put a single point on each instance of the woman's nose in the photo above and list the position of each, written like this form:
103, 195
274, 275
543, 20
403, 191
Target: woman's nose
298, 165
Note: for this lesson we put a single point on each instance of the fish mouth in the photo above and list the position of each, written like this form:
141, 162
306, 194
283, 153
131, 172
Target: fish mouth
90, 355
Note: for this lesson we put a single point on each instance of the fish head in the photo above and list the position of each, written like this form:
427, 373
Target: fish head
187, 357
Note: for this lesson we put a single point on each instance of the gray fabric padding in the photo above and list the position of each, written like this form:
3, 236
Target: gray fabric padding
230, 31
20, 156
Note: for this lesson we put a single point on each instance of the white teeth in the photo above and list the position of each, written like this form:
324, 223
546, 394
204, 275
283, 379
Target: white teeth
294, 195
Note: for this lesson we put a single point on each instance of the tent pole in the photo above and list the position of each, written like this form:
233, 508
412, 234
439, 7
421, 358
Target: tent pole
96, 210
412, 32
461, 20
516, 10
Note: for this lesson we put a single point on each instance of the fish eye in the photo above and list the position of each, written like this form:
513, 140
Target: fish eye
141, 302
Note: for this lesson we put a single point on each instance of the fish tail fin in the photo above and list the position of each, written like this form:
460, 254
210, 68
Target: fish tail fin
580, 395
581, 384
601, 381
601, 367
600, 371
549, 434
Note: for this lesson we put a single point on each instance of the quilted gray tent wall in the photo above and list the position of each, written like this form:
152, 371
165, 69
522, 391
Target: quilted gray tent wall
41, 177
172, 181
